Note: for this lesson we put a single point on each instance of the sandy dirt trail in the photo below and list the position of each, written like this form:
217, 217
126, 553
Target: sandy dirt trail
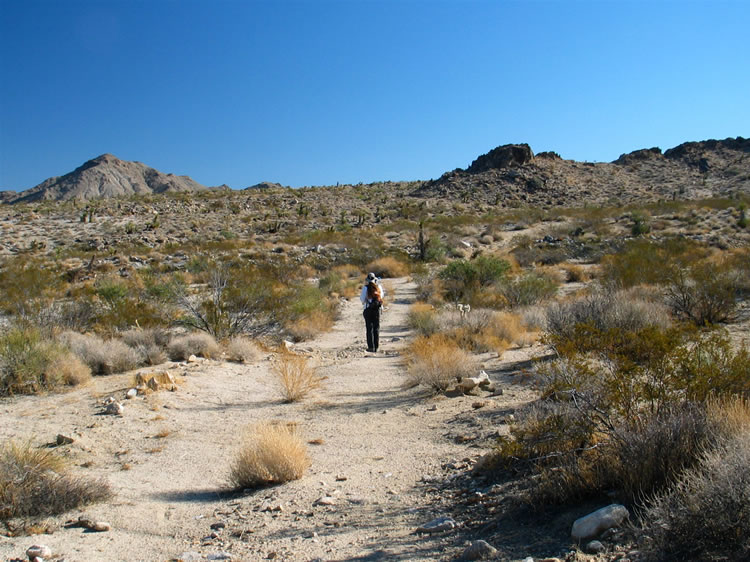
168, 457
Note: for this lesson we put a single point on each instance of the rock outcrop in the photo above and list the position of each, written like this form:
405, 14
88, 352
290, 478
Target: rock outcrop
107, 176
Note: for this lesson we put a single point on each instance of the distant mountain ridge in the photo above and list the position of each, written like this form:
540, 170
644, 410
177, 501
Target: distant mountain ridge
106, 176
511, 175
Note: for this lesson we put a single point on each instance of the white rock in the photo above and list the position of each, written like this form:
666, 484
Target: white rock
132, 393
192, 359
325, 500
219, 556
114, 409
38, 551
439, 525
469, 383
100, 526
599, 521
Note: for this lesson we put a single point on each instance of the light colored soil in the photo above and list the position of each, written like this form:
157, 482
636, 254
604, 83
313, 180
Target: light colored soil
381, 449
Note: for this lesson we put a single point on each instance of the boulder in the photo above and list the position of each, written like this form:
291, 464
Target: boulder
593, 524
478, 550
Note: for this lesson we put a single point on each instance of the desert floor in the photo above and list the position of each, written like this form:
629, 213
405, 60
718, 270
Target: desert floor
379, 452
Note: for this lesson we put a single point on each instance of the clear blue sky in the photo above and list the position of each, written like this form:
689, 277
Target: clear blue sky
319, 91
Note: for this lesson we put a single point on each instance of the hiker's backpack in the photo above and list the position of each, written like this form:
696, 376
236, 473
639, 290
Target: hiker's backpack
375, 299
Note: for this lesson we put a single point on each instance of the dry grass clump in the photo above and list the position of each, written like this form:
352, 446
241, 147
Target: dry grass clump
388, 267
35, 482
705, 515
242, 350
296, 377
200, 344
70, 369
149, 343
422, 318
270, 454
310, 325
574, 273
104, 357
437, 362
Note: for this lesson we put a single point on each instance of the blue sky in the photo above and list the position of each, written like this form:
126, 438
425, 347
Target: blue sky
316, 92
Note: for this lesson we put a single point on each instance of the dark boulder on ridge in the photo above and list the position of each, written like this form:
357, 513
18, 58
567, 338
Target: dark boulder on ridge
505, 156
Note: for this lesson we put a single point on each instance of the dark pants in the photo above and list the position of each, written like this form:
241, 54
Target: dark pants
372, 326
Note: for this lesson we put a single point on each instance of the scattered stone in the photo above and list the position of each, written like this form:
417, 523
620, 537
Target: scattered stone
108, 401
325, 500
63, 439
38, 551
190, 556
114, 409
480, 404
432, 408
100, 527
132, 393
439, 525
192, 359
341, 478
219, 556
594, 547
478, 550
599, 521
218, 525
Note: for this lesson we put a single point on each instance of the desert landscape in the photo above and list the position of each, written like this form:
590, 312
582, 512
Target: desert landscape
184, 373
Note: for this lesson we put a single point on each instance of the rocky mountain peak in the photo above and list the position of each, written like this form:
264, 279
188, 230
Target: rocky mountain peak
506, 156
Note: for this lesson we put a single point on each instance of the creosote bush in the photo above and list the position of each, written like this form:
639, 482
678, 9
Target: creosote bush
295, 376
36, 483
270, 454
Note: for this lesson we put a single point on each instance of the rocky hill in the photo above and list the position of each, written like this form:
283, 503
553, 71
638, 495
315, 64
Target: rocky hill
511, 175
106, 176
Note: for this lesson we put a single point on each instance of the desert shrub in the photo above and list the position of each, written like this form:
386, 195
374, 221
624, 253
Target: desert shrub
437, 362
623, 410
242, 350
620, 310
104, 357
309, 326
341, 280
574, 273
296, 378
463, 278
237, 300
422, 319
645, 262
150, 344
194, 343
704, 293
705, 515
388, 267
429, 287
36, 482
528, 289
270, 454
641, 223
533, 318
30, 363
25, 286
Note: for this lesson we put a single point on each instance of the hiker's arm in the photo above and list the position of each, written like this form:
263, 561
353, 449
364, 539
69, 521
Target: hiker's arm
363, 294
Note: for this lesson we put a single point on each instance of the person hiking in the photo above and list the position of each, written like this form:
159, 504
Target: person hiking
372, 300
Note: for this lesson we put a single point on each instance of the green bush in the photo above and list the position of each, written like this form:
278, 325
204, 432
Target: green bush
30, 363
463, 278
528, 289
704, 293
